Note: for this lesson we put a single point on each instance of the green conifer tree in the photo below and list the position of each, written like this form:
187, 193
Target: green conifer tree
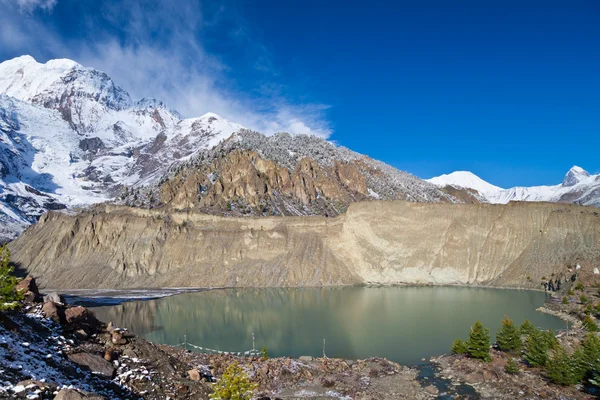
527, 327
233, 385
478, 345
511, 366
536, 349
550, 339
9, 297
508, 336
458, 347
561, 368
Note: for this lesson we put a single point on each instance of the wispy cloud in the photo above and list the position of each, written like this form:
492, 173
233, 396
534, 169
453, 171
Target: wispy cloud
30, 5
153, 49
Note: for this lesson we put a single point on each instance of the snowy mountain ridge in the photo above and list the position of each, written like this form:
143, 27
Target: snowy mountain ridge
69, 136
578, 186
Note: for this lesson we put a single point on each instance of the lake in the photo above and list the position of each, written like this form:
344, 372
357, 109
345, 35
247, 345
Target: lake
403, 324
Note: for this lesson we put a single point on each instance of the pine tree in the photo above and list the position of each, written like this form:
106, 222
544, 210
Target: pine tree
458, 347
536, 350
511, 366
588, 360
264, 352
233, 385
527, 327
508, 336
9, 296
478, 345
550, 339
561, 368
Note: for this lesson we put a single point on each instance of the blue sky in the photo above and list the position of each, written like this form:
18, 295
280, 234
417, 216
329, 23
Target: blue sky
507, 89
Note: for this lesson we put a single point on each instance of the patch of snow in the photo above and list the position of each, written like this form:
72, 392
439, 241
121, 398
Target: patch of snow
466, 179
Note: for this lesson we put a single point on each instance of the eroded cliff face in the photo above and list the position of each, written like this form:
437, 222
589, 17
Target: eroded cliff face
248, 183
382, 242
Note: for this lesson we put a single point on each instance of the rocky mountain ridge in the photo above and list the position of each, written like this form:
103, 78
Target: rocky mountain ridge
252, 174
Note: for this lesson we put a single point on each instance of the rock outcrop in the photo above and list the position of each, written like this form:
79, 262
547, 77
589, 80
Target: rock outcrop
382, 242
252, 175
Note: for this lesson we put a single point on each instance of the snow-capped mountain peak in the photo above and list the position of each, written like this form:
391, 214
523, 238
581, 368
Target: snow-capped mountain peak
574, 176
465, 179
577, 187
23, 77
70, 136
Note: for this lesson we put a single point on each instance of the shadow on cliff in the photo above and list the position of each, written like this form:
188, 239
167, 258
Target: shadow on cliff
19, 270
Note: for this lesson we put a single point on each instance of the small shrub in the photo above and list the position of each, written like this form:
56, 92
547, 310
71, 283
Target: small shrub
458, 347
233, 385
589, 310
264, 352
571, 292
511, 366
590, 324
579, 286
583, 299
478, 345
565, 300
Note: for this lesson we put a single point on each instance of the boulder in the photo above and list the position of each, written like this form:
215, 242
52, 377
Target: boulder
94, 363
305, 358
194, 374
117, 337
27, 285
111, 354
72, 394
30, 289
54, 312
54, 297
79, 317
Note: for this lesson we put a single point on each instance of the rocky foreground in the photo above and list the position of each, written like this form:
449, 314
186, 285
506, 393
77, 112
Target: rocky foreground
51, 350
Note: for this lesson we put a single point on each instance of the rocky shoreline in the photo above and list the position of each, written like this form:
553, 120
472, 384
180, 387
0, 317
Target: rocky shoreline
52, 350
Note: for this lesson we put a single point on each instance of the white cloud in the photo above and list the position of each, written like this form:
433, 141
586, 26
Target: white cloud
175, 69
30, 5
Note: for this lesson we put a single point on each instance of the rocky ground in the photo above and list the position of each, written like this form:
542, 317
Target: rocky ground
51, 350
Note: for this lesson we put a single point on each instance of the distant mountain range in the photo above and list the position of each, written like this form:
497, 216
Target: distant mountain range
578, 187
